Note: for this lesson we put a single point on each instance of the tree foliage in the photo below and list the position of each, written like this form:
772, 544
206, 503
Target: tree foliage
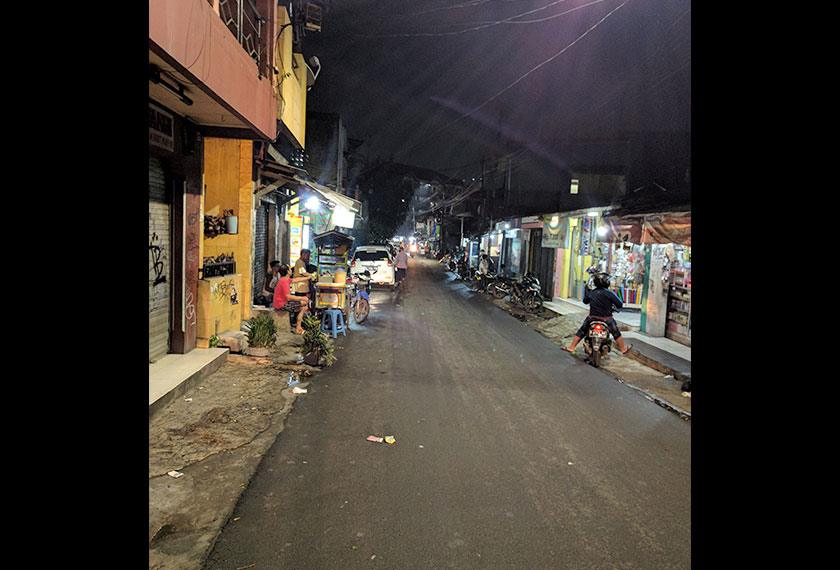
388, 189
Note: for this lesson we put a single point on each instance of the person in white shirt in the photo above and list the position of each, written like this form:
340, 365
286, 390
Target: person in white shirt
401, 264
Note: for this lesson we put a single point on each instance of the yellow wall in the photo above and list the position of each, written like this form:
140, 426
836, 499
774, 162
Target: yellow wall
563, 290
215, 311
228, 184
291, 99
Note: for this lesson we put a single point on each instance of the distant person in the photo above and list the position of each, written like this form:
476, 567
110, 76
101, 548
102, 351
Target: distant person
300, 270
284, 300
483, 264
269, 283
401, 264
601, 301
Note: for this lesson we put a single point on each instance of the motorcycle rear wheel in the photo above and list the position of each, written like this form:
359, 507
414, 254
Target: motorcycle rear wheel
498, 292
595, 358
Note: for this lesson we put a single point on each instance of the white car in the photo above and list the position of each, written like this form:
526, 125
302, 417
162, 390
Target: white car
376, 259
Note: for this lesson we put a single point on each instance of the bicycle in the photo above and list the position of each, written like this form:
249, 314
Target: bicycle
360, 301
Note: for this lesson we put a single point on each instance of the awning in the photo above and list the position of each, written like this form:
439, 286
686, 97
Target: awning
622, 230
331, 196
666, 227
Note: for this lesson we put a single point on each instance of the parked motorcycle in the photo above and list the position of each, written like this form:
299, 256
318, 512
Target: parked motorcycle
482, 281
463, 269
449, 262
593, 270
532, 297
525, 292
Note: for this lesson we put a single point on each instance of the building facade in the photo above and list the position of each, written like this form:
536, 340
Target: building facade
218, 84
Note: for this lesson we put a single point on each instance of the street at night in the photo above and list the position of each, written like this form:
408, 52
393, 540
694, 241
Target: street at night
509, 453
419, 288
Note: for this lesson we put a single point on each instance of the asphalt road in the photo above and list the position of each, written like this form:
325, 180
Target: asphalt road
509, 454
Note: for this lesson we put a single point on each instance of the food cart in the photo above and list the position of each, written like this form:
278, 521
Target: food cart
331, 288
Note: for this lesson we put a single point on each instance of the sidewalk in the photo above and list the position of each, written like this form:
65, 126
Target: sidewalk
174, 374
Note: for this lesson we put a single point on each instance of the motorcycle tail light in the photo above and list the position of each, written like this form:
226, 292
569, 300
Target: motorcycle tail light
598, 328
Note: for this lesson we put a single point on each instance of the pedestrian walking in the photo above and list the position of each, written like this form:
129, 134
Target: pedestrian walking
401, 264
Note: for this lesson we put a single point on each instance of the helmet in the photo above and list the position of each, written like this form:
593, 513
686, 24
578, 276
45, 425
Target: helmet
602, 280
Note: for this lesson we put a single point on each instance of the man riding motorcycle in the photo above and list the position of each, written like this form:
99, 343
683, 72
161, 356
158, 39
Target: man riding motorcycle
601, 301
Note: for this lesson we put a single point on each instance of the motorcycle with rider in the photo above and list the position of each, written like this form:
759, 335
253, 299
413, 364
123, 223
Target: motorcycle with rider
596, 326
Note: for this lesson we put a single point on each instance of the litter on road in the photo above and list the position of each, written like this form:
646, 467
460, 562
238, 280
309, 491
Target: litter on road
175, 474
376, 439
298, 390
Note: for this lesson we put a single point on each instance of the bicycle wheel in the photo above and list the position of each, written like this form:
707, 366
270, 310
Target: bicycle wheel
360, 312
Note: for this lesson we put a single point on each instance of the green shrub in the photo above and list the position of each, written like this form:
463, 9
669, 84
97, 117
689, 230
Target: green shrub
262, 332
314, 339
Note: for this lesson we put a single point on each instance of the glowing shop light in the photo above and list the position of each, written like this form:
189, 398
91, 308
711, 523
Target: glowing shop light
313, 204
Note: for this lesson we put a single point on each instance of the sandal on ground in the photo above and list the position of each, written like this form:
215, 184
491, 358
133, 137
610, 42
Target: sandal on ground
567, 349
629, 348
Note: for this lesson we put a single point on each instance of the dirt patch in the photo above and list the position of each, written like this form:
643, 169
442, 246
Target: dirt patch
227, 410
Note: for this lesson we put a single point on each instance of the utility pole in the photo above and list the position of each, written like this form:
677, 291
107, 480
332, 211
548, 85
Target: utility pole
484, 201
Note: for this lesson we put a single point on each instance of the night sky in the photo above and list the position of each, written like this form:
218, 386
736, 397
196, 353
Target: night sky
443, 83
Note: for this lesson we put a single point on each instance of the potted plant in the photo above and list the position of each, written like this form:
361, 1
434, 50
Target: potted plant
316, 345
262, 334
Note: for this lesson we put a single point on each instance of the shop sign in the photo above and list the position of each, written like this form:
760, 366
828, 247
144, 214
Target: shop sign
161, 128
586, 235
555, 232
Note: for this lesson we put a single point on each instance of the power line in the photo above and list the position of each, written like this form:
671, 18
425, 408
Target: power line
482, 26
523, 76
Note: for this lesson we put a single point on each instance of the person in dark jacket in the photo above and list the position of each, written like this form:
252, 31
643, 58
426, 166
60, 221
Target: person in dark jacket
601, 301
270, 281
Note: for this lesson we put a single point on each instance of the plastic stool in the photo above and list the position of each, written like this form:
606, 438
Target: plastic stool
336, 322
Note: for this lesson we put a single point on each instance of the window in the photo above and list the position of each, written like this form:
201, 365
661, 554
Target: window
371, 256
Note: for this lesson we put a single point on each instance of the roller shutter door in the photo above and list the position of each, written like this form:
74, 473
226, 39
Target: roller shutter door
160, 254
260, 248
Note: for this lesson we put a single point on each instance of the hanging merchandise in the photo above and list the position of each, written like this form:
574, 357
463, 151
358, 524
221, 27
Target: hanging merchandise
627, 269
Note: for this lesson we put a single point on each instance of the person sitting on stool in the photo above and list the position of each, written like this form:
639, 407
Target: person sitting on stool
285, 301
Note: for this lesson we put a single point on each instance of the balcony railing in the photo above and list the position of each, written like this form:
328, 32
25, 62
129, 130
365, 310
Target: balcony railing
246, 24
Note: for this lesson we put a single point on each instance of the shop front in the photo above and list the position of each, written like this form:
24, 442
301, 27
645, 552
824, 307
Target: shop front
578, 244
650, 262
